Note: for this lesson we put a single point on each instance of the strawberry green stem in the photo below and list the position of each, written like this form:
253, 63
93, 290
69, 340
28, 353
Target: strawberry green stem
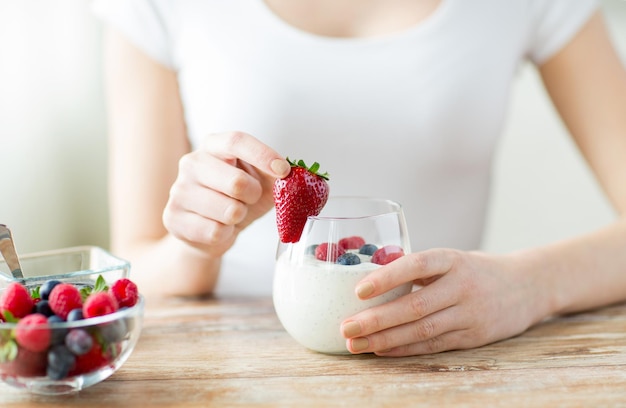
313, 169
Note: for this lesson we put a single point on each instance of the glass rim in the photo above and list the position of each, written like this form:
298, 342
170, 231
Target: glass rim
395, 208
120, 264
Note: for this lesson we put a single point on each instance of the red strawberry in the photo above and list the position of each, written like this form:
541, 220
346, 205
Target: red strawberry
125, 292
99, 304
387, 254
16, 299
32, 332
301, 194
324, 253
64, 298
354, 242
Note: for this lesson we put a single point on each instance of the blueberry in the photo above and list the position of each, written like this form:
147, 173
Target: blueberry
368, 249
348, 259
114, 331
75, 314
78, 341
60, 361
55, 319
57, 334
310, 250
46, 288
43, 307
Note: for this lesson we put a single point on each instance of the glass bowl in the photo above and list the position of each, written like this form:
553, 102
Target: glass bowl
113, 336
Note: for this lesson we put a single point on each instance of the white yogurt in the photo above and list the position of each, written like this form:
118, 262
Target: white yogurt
313, 298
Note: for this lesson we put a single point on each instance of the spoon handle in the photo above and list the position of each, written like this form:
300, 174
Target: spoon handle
8, 252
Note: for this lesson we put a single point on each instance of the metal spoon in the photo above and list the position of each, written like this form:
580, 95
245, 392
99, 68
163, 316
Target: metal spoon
8, 252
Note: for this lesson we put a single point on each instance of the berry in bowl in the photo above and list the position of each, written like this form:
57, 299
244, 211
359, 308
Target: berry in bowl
62, 332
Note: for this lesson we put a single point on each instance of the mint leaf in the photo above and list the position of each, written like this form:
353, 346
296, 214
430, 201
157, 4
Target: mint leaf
101, 285
9, 318
8, 351
34, 293
105, 346
85, 291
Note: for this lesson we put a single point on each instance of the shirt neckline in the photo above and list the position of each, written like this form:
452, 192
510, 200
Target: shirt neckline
286, 29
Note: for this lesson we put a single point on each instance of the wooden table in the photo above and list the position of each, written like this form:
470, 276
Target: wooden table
234, 352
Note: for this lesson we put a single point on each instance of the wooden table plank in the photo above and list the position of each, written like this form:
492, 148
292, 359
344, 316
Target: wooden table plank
234, 352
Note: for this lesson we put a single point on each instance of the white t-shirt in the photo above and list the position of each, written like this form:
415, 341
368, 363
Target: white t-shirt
413, 116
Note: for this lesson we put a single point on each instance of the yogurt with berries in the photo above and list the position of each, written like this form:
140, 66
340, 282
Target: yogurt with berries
313, 296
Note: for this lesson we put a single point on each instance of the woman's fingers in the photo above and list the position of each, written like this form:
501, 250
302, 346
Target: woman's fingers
221, 188
207, 203
231, 146
193, 228
413, 267
428, 331
409, 308
452, 340
203, 170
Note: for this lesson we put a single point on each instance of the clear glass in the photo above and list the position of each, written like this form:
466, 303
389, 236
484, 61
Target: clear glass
81, 264
312, 296
117, 332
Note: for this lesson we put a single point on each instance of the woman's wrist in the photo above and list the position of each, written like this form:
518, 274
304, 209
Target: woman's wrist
533, 271
576, 274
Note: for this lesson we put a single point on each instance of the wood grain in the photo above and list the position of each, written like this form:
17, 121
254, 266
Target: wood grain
234, 352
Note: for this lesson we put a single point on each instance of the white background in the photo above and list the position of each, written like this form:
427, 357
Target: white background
53, 190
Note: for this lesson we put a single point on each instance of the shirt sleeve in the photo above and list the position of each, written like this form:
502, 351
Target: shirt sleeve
554, 23
145, 23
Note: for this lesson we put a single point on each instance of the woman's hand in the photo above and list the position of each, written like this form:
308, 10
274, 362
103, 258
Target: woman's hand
220, 189
466, 300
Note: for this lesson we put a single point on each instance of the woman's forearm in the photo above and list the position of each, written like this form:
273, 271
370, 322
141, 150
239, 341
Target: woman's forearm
169, 267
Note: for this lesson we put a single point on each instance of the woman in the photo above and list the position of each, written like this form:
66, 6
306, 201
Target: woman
401, 99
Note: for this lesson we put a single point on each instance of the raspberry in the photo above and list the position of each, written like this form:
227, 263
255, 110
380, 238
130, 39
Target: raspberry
63, 298
32, 332
125, 292
354, 242
387, 254
26, 364
99, 304
324, 253
16, 300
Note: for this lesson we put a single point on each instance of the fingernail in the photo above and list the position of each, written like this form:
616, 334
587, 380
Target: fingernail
351, 329
360, 344
364, 290
280, 167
